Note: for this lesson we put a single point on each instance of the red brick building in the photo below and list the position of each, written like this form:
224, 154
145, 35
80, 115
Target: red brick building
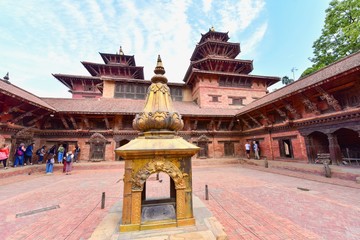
221, 103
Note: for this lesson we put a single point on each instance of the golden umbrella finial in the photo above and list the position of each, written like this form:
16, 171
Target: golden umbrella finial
159, 69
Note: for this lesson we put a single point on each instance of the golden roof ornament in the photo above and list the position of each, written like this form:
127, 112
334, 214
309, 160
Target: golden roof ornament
212, 29
121, 51
158, 113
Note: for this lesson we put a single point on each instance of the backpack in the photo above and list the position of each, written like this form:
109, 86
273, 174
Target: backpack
68, 158
38, 151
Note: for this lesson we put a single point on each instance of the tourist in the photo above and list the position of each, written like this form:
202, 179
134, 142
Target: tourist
4, 154
256, 150
50, 164
42, 154
28, 154
68, 165
247, 149
19, 155
76, 152
60, 152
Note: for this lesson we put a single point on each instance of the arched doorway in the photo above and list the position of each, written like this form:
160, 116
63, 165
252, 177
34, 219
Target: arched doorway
159, 190
320, 142
349, 143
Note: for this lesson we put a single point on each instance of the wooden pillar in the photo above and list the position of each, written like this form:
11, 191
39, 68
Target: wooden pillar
334, 148
309, 149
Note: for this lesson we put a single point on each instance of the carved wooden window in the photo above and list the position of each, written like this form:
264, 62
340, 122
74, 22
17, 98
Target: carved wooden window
215, 98
237, 100
97, 151
229, 149
176, 93
127, 121
233, 81
130, 90
203, 152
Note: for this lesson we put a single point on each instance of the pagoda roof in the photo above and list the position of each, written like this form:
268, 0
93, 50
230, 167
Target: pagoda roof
331, 72
269, 79
13, 91
95, 69
128, 107
129, 59
213, 35
246, 65
68, 80
201, 50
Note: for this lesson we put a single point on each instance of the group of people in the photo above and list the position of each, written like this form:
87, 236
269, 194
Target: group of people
255, 147
23, 156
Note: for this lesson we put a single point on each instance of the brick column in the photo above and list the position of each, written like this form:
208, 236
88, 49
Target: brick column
334, 148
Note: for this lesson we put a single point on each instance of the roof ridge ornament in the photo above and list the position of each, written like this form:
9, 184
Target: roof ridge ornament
212, 29
121, 51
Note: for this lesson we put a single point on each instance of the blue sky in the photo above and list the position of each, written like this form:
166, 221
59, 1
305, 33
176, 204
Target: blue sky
39, 38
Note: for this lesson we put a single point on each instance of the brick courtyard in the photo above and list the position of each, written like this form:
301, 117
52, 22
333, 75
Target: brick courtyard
250, 204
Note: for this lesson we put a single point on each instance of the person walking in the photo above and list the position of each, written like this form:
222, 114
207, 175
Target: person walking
247, 149
256, 150
4, 154
19, 155
76, 152
69, 158
42, 154
28, 154
50, 164
60, 152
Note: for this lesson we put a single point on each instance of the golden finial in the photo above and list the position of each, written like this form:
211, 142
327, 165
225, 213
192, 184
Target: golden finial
212, 29
121, 51
159, 69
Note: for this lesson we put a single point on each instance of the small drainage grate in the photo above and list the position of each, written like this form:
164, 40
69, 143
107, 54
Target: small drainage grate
303, 189
37, 211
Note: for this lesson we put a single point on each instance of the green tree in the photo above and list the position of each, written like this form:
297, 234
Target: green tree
286, 80
340, 34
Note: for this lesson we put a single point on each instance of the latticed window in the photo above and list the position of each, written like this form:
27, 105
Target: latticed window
237, 100
130, 90
176, 93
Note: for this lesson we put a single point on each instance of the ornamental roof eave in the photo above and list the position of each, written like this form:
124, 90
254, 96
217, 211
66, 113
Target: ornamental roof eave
91, 68
236, 46
23, 95
186, 78
204, 36
66, 79
106, 60
269, 79
331, 72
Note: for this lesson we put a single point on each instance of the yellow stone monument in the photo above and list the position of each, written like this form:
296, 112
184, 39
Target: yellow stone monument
157, 149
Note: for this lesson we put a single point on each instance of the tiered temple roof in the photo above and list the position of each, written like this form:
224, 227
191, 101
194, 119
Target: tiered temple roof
215, 55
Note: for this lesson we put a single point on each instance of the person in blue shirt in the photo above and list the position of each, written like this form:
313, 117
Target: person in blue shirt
28, 154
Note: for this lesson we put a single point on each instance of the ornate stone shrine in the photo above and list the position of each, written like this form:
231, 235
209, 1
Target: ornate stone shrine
157, 149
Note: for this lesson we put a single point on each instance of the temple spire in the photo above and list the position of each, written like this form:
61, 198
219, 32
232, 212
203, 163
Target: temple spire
158, 113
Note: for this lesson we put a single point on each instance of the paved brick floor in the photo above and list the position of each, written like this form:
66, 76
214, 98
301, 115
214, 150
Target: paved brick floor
250, 204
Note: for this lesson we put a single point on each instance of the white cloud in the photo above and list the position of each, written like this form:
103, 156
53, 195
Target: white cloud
249, 46
54, 38
207, 5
